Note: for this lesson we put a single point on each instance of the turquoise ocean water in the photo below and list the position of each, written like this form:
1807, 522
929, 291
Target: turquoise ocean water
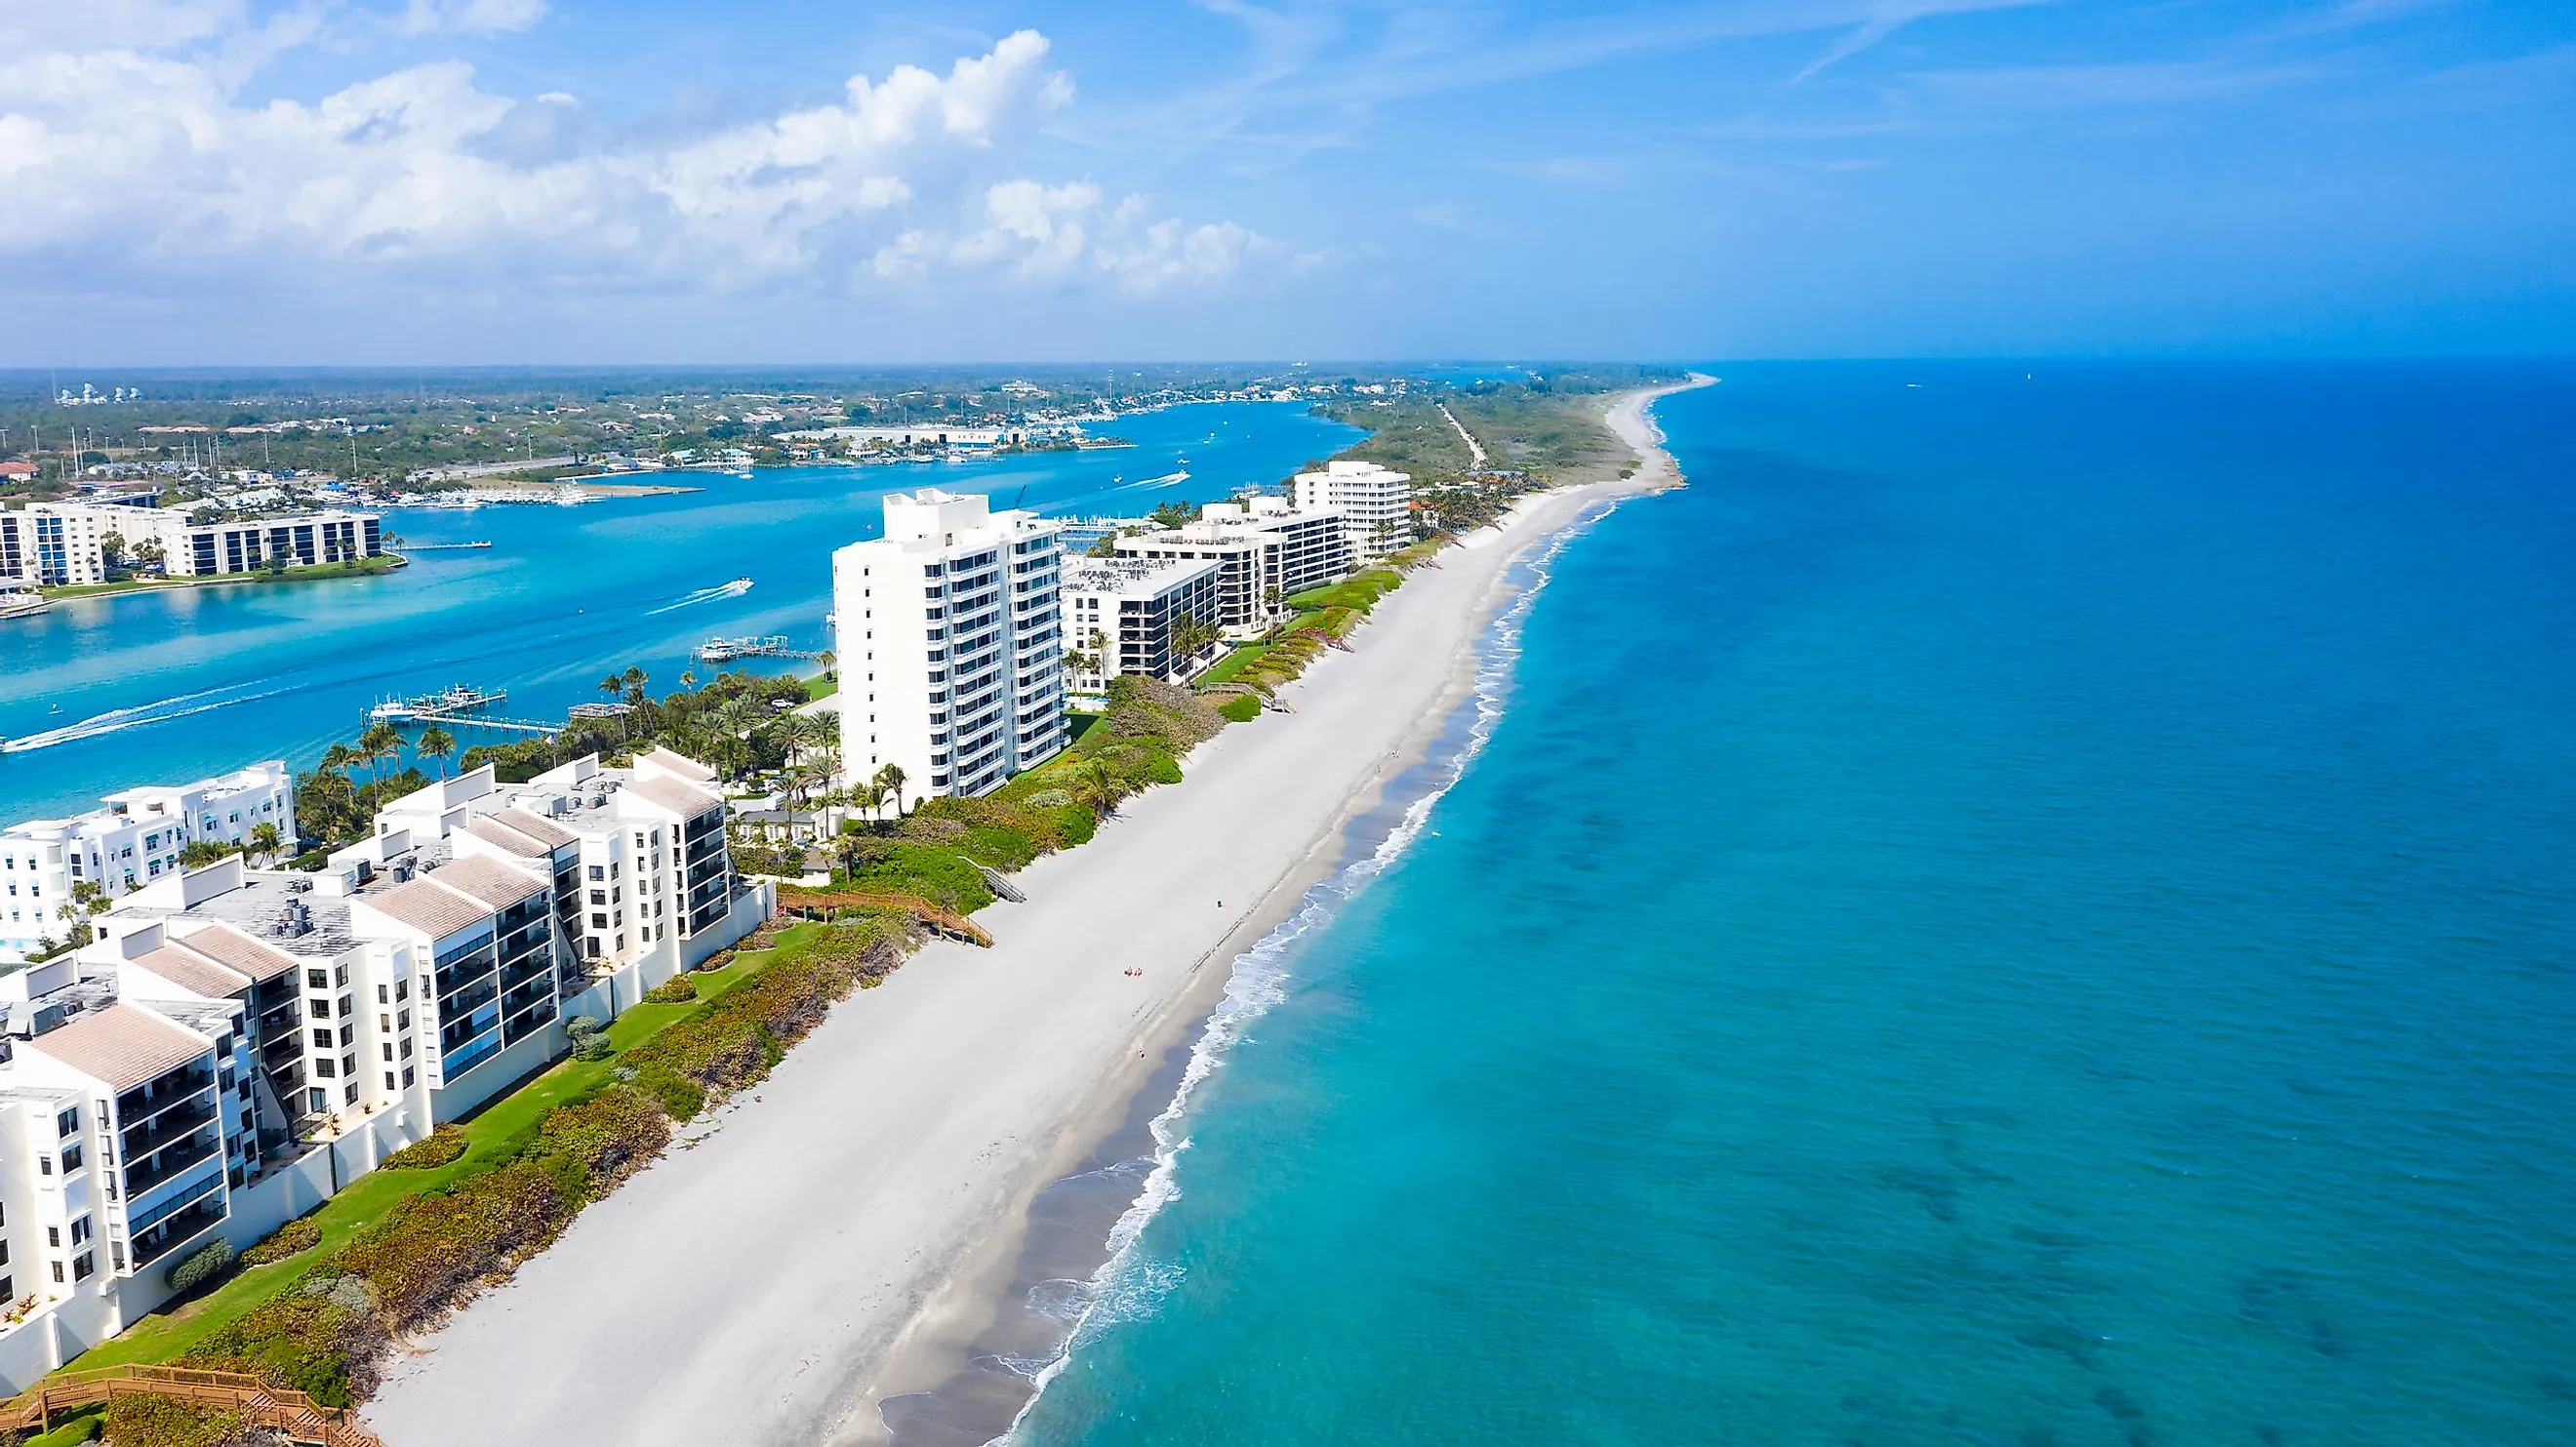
106, 693
2017, 909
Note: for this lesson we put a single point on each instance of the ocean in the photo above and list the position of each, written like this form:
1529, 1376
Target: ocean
165, 687
2027, 905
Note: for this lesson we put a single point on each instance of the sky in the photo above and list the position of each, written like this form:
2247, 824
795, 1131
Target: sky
233, 182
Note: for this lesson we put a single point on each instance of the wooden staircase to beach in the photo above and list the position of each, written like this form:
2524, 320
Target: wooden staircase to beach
293, 1414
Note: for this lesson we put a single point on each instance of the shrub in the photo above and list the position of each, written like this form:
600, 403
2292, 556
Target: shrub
299, 1235
680, 1097
201, 1265
589, 1038
677, 990
427, 1250
1075, 825
140, 1420
1049, 799
438, 1148
1242, 708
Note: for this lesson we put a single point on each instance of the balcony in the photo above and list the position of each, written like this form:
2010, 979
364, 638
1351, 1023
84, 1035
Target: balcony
454, 1063
200, 1209
143, 1173
142, 1138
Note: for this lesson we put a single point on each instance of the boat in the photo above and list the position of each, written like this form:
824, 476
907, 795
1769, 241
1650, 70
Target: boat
22, 600
455, 699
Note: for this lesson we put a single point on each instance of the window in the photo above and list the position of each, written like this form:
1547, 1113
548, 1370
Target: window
348, 1033
53, 1235
389, 1080
599, 896
351, 1094
58, 1273
340, 976
388, 1048
380, 996
384, 1021
598, 872
316, 979
80, 1230
406, 1047
402, 989
67, 1122
317, 1101
321, 1007
326, 1070
71, 1159
45, 1167
402, 1019
84, 1264
406, 1073
321, 1039
599, 921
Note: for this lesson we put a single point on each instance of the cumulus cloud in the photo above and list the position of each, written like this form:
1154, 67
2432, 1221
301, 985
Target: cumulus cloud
146, 159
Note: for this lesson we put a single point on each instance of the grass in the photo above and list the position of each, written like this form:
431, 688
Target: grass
355, 568
165, 1336
821, 686
1224, 669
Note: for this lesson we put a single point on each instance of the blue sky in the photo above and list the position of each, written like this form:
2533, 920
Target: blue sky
224, 181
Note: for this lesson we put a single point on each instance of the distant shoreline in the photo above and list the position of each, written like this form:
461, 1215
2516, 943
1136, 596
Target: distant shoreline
375, 567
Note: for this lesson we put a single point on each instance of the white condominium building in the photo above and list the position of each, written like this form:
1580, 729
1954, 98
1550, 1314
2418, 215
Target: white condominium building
642, 874
239, 1044
1265, 551
1120, 615
1376, 501
56, 543
950, 645
132, 841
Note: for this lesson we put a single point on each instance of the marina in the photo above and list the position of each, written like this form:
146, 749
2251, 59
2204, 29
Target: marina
431, 707
726, 650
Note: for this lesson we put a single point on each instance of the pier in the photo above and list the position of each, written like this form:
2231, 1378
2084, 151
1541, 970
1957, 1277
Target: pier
725, 650
435, 547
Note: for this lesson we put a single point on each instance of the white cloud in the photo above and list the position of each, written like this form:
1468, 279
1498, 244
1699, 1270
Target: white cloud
147, 163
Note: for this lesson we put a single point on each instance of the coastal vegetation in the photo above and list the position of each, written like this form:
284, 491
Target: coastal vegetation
317, 1305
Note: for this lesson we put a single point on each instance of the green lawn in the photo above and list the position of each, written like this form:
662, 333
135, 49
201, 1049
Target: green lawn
822, 685
1224, 670
164, 1337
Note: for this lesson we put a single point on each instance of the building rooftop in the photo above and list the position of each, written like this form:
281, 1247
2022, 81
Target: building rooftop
122, 1045
680, 764
259, 909
429, 907
240, 953
1142, 576
539, 829
516, 841
677, 797
490, 881
191, 971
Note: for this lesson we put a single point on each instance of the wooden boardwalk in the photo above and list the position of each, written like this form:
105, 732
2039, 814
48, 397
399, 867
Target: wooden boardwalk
290, 1413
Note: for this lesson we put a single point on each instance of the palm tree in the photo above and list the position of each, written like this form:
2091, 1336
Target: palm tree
379, 743
337, 759
614, 685
264, 842
1097, 787
634, 679
734, 723
688, 679
891, 776
869, 795
436, 743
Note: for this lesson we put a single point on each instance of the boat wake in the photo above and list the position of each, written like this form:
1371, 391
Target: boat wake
117, 720
1169, 479
734, 589
1130, 1283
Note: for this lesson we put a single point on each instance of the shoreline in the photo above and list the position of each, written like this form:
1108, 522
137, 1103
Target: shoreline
797, 1266
944, 1356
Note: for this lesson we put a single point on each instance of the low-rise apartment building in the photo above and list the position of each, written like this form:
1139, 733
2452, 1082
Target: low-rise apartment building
133, 839
1264, 550
949, 637
1124, 615
1375, 502
57, 543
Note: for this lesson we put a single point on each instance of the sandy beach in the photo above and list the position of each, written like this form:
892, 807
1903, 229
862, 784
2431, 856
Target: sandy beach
833, 1238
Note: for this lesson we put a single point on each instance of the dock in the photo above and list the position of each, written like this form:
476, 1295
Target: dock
725, 650
435, 547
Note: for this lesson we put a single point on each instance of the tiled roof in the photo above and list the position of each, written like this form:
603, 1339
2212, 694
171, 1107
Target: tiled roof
192, 972
489, 880
507, 838
240, 952
535, 828
431, 908
681, 764
122, 1045
675, 796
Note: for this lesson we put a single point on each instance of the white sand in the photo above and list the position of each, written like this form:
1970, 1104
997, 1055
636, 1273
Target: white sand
754, 1288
